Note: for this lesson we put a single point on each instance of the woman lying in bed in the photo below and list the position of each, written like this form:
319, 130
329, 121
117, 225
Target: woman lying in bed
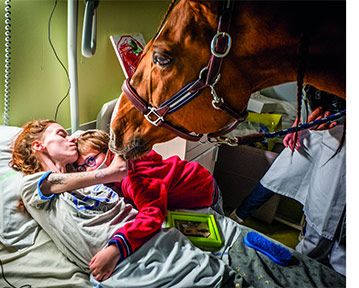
168, 259
91, 218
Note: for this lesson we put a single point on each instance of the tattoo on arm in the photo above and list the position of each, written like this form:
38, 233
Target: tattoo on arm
61, 178
59, 182
100, 174
56, 178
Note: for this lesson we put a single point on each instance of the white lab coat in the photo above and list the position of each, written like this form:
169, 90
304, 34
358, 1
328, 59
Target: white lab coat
315, 180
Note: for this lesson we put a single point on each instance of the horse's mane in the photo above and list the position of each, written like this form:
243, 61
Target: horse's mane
302, 59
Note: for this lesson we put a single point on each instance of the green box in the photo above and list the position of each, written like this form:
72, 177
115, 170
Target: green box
201, 229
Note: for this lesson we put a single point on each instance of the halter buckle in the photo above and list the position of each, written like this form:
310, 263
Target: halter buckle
153, 113
215, 41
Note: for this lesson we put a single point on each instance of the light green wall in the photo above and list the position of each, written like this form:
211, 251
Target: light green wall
38, 82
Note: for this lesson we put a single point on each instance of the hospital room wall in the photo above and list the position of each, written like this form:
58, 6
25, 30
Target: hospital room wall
38, 81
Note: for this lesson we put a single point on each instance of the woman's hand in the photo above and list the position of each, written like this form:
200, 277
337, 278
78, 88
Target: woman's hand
289, 139
117, 168
317, 114
104, 262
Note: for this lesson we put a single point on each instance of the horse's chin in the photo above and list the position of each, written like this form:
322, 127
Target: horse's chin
134, 150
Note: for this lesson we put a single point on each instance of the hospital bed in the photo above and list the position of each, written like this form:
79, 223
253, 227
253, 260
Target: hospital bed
29, 257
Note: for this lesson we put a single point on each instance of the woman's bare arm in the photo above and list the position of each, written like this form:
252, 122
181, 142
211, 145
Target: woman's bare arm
57, 183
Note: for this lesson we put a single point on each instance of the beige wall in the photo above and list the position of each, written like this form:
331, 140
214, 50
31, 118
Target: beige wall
38, 82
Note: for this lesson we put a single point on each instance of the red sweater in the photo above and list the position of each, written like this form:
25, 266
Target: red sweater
153, 185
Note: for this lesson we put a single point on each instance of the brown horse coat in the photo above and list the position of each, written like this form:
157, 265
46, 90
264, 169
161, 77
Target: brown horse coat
264, 53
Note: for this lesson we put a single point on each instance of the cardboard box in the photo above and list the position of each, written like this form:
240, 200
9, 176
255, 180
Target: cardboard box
261, 105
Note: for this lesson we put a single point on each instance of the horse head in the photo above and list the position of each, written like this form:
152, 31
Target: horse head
173, 58
178, 56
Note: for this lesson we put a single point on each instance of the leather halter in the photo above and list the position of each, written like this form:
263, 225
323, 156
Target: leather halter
208, 77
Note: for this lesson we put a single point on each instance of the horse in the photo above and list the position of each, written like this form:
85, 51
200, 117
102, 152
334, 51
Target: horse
197, 73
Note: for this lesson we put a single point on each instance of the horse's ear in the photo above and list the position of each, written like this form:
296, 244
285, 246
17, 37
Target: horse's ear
204, 7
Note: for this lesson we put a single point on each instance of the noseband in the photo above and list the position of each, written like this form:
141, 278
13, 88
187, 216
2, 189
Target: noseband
208, 78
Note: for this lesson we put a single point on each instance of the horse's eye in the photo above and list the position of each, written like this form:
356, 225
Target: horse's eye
161, 59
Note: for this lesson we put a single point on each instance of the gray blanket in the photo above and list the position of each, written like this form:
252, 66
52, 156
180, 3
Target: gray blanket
170, 260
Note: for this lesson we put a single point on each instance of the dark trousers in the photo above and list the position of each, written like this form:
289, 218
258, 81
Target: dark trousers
254, 200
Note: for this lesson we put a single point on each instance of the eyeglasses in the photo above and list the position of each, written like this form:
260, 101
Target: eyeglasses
89, 162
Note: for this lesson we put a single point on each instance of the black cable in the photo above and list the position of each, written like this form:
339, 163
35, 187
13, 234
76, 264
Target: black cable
12, 286
58, 59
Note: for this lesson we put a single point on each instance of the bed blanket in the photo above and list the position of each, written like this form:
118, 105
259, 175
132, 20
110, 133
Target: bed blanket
170, 260
40, 265
257, 270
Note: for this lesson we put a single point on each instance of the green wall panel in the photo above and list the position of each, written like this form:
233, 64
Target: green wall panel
38, 81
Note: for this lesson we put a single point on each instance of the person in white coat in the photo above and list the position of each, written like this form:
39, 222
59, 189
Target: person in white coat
315, 175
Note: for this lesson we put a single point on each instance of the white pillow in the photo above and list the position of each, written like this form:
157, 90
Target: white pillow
16, 228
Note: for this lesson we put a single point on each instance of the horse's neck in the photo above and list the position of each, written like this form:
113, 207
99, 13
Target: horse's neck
262, 50
267, 41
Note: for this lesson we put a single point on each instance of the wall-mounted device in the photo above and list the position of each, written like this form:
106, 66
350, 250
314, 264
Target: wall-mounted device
89, 28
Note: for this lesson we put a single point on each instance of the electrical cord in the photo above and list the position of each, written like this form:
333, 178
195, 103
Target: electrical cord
58, 59
7, 78
7, 74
